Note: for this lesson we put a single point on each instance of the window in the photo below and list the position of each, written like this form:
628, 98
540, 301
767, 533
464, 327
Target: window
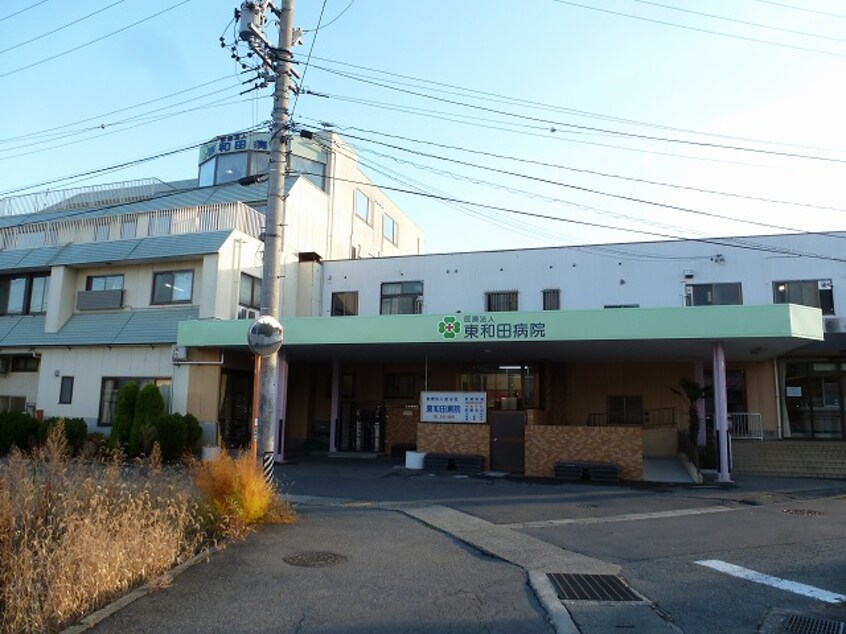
104, 283
727, 294
500, 301
345, 304
400, 385
112, 385
12, 404
625, 410
312, 171
66, 390
127, 228
816, 293
25, 363
230, 167
172, 287
389, 228
507, 386
552, 299
402, 298
25, 294
362, 206
249, 294
160, 224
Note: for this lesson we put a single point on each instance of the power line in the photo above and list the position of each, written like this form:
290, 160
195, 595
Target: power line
308, 59
738, 21
94, 41
701, 30
31, 6
595, 129
332, 21
64, 26
794, 7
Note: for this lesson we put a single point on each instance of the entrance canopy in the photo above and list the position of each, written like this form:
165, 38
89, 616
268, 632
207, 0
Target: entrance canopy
748, 333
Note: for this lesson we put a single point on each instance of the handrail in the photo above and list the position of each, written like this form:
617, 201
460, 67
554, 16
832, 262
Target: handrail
746, 425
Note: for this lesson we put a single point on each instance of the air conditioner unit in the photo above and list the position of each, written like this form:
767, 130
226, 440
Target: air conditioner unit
5, 365
247, 313
178, 354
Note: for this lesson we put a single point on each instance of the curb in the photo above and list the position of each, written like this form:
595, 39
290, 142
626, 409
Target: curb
556, 613
91, 620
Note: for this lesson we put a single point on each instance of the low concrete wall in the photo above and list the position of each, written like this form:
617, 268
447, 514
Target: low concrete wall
470, 438
660, 442
546, 444
401, 426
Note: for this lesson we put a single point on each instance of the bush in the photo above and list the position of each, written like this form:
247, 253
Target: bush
124, 415
76, 431
171, 434
20, 430
237, 494
194, 432
148, 407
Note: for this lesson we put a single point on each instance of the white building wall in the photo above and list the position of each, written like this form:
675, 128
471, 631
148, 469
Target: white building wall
20, 384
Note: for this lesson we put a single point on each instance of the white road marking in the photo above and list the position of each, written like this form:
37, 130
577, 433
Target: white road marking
628, 517
775, 582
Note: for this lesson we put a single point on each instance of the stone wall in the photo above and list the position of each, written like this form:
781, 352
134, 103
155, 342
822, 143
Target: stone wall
401, 426
546, 444
470, 438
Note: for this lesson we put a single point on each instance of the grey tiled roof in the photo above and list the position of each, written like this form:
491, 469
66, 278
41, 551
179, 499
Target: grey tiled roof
134, 250
149, 326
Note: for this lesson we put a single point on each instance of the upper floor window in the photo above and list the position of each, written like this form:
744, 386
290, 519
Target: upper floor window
389, 228
104, 283
501, 301
816, 293
249, 294
345, 304
172, 287
725, 294
552, 299
362, 206
24, 294
402, 298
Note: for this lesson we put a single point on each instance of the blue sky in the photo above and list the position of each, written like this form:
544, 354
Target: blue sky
624, 77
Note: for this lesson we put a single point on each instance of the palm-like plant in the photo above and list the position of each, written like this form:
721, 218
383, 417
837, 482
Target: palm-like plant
693, 392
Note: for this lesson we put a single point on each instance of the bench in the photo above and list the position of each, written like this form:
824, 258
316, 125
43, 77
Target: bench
579, 471
454, 462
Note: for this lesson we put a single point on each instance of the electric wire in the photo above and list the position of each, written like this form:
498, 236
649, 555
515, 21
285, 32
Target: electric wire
94, 41
56, 30
806, 9
332, 21
31, 6
308, 59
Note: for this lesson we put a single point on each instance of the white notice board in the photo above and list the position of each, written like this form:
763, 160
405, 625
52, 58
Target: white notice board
453, 407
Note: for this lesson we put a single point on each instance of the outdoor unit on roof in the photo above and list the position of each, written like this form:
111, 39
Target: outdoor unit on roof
247, 313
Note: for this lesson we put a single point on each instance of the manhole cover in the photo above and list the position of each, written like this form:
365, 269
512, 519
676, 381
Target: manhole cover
572, 587
314, 559
802, 512
795, 624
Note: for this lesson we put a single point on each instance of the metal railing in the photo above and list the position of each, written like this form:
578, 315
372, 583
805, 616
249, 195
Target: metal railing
746, 425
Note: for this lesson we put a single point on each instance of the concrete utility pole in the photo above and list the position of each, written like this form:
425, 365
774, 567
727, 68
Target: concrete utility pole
252, 22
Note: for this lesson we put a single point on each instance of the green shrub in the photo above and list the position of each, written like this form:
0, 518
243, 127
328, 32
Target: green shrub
171, 434
148, 407
124, 415
18, 429
76, 431
194, 432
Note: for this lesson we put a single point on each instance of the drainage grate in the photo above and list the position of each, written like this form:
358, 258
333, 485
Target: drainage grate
314, 559
795, 624
571, 587
802, 512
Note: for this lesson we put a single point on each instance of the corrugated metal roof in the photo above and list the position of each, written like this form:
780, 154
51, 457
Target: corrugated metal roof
149, 326
216, 194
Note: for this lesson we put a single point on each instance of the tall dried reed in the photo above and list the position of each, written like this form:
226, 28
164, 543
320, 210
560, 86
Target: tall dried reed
74, 535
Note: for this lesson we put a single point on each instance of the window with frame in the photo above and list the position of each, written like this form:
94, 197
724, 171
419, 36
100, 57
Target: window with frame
24, 294
401, 298
625, 410
400, 385
552, 299
66, 390
172, 287
815, 293
362, 206
499, 301
389, 228
104, 283
110, 387
25, 363
249, 293
721, 294
345, 304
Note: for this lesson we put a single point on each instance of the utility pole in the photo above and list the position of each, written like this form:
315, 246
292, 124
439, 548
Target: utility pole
252, 30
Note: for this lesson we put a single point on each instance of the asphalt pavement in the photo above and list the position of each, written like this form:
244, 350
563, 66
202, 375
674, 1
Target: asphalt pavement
379, 548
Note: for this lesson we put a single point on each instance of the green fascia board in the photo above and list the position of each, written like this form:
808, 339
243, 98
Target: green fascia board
711, 323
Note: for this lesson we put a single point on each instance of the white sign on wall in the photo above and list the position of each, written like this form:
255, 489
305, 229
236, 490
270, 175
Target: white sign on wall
453, 407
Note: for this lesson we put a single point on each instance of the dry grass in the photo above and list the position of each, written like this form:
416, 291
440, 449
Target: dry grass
237, 495
74, 535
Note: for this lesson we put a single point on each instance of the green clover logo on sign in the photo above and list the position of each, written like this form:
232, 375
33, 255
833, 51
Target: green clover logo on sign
449, 327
